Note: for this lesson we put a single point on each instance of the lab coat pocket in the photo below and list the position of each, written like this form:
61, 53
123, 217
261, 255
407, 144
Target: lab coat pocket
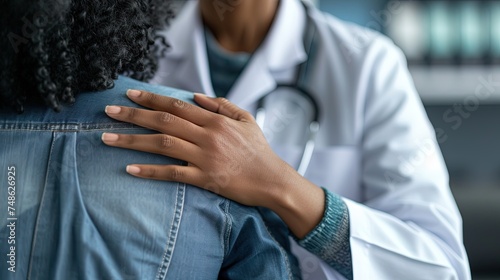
336, 168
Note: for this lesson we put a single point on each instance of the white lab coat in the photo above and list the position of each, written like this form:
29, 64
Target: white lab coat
376, 147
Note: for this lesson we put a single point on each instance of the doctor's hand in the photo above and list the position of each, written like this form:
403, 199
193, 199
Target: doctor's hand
226, 153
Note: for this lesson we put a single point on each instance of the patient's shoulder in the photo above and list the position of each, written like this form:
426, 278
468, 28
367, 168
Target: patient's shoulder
125, 83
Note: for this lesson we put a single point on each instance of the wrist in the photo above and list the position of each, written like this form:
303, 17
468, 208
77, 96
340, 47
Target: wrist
299, 203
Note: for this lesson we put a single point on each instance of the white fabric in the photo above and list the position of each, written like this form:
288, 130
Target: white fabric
376, 147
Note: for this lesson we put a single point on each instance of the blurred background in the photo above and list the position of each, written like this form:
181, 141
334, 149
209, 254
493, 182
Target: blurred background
453, 52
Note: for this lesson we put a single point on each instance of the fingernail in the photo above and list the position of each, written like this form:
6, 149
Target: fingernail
133, 169
109, 137
113, 109
133, 93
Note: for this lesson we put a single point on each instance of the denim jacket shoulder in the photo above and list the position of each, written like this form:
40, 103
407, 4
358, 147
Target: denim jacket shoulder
70, 211
70, 204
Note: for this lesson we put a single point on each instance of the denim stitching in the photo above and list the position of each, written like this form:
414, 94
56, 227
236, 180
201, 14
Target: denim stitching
65, 126
174, 230
228, 226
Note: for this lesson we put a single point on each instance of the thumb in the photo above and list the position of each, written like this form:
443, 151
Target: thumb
222, 106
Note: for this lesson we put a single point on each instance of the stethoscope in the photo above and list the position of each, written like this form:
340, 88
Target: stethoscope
298, 90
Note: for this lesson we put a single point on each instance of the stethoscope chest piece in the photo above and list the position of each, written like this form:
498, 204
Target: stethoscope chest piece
289, 118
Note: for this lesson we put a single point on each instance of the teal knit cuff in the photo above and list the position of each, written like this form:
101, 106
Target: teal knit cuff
330, 239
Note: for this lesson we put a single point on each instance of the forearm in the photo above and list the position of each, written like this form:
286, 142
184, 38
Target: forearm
298, 202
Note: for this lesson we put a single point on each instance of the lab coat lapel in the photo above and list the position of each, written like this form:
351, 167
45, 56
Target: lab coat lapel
186, 64
195, 70
255, 81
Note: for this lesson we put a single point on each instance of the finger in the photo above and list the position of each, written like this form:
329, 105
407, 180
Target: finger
223, 106
160, 121
154, 143
175, 173
182, 109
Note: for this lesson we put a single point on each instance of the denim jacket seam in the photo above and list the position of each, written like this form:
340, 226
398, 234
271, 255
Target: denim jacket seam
282, 250
228, 226
70, 126
173, 232
42, 203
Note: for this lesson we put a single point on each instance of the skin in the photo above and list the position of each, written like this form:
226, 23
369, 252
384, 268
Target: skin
226, 151
239, 25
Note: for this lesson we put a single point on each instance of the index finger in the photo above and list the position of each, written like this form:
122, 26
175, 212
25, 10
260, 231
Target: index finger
177, 107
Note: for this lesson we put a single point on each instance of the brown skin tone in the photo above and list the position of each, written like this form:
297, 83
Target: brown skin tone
225, 148
239, 25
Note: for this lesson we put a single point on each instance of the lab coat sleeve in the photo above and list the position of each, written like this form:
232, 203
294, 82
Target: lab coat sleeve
407, 225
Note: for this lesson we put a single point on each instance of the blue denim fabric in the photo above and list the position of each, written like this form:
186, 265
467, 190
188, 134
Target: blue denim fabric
76, 214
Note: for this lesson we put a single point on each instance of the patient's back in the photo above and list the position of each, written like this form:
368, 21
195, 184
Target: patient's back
70, 211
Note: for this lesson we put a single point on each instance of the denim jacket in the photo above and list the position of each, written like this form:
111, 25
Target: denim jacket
68, 210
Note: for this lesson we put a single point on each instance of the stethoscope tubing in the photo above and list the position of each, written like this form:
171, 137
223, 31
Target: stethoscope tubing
314, 126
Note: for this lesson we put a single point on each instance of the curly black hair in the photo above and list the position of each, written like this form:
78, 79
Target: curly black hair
51, 50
